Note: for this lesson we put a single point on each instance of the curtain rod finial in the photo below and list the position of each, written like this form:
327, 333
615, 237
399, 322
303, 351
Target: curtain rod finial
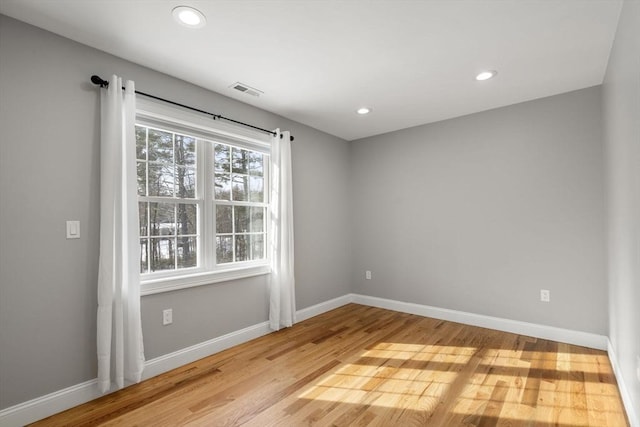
97, 80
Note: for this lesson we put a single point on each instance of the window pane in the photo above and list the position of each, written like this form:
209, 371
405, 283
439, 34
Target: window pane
185, 150
241, 219
222, 185
141, 143
144, 255
240, 187
162, 219
187, 252
167, 167
257, 246
257, 219
256, 186
240, 159
223, 219
256, 163
161, 180
142, 178
143, 215
162, 253
242, 248
221, 155
186, 182
187, 217
160, 146
224, 249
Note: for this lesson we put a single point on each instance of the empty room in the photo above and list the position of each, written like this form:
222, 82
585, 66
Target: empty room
328, 213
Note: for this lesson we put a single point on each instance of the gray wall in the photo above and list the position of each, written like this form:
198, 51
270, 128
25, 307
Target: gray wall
621, 94
49, 173
475, 214
480, 212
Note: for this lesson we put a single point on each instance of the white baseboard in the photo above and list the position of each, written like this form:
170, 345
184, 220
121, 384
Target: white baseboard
634, 419
323, 307
167, 362
42, 407
45, 406
568, 336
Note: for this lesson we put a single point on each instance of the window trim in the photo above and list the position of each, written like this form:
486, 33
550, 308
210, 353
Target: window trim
200, 278
154, 114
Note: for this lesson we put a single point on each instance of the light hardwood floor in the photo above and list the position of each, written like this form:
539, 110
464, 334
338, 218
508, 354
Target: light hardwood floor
364, 366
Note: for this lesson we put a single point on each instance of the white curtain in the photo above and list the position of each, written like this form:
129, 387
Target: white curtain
120, 350
282, 310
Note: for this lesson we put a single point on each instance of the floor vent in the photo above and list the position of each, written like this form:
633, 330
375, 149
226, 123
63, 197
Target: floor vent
241, 87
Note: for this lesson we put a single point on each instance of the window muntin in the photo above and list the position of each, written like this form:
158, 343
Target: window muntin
168, 236
167, 204
240, 203
203, 203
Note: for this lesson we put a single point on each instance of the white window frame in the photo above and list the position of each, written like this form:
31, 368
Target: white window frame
160, 115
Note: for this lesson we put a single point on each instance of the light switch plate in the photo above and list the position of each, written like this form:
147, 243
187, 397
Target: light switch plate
73, 229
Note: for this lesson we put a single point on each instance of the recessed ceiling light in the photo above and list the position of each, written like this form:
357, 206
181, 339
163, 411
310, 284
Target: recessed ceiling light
486, 75
364, 110
189, 17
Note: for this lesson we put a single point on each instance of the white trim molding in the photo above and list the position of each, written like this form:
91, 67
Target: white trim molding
45, 406
42, 407
568, 336
634, 419
167, 362
323, 307
167, 284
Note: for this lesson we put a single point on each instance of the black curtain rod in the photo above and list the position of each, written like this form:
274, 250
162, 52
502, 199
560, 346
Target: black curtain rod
97, 80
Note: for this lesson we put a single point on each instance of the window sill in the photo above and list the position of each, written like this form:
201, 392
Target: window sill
160, 285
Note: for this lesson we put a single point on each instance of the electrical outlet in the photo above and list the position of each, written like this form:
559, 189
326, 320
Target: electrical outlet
367, 275
167, 316
545, 295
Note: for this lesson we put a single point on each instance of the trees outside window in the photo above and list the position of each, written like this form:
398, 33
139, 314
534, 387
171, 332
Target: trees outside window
182, 214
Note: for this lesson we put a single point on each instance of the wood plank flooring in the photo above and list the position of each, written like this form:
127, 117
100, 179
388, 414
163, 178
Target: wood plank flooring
364, 366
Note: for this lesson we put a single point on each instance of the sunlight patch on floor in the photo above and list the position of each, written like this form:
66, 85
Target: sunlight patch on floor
352, 382
420, 377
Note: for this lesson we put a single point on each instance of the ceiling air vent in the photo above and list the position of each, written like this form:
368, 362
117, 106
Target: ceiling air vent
246, 89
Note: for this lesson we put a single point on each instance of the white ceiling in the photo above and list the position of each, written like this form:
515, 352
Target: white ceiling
412, 62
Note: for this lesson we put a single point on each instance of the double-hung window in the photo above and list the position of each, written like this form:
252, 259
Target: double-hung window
203, 199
